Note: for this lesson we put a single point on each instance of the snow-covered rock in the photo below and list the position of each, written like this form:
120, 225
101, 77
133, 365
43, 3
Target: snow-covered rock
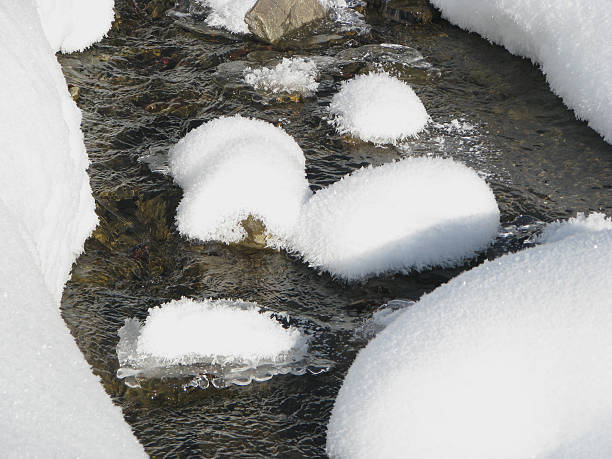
412, 214
378, 108
229, 14
508, 360
51, 403
209, 331
570, 40
233, 167
73, 25
292, 75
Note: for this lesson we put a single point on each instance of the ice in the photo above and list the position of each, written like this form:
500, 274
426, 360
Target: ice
382, 317
571, 41
51, 403
411, 214
232, 340
508, 360
233, 167
229, 14
73, 25
378, 108
294, 75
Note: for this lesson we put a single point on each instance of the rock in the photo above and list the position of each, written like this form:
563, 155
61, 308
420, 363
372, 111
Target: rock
270, 20
406, 11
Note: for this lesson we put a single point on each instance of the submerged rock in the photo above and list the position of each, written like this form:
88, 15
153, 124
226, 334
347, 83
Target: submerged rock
406, 11
270, 20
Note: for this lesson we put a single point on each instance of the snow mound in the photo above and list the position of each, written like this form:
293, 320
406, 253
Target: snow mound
73, 25
233, 168
229, 14
295, 75
571, 41
225, 336
378, 108
51, 404
559, 230
412, 214
508, 360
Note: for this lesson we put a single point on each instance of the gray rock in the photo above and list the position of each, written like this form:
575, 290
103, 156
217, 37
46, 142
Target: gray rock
270, 20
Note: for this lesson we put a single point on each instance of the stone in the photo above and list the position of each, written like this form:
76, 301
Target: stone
270, 20
406, 11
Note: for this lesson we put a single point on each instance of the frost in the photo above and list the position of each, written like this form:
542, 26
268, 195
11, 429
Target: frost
508, 360
378, 108
295, 75
571, 41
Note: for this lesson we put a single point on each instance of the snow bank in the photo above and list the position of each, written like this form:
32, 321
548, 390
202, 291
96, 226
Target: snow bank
559, 230
230, 168
378, 108
570, 40
185, 332
295, 75
411, 214
73, 25
509, 360
52, 405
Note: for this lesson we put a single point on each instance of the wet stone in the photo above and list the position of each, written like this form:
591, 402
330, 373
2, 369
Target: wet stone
270, 20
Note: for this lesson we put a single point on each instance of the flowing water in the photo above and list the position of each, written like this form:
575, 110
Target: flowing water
152, 80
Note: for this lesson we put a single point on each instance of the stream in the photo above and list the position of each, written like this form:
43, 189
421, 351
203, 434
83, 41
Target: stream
154, 79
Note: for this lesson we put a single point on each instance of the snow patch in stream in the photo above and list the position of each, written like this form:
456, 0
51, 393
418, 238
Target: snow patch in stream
378, 108
221, 341
508, 360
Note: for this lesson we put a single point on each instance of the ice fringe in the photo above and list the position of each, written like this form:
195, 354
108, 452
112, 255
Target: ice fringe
570, 40
295, 75
51, 404
412, 214
508, 360
378, 108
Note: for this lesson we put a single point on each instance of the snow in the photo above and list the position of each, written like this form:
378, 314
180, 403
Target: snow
233, 167
412, 214
508, 360
559, 230
229, 14
571, 41
378, 108
73, 25
52, 405
224, 331
294, 75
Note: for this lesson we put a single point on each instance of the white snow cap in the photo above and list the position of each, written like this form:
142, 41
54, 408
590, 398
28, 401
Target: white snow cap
51, 404
509, 360
378, 108
229, 14
412, 214
73, 25
570, 40
559, 230
295, 75
233, 167
220, 331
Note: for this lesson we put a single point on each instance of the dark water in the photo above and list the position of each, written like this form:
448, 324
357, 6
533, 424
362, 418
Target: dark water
151, 81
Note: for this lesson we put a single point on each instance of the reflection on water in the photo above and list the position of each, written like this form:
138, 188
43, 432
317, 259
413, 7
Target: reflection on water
151, 81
